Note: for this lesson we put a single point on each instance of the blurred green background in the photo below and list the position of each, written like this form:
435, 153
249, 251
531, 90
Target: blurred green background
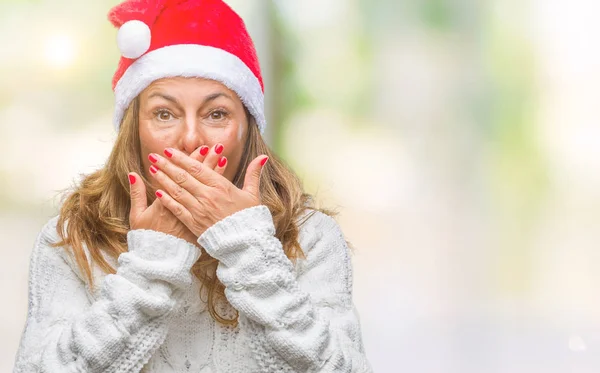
459, 139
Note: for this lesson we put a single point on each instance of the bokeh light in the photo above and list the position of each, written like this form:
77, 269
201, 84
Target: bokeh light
60, 50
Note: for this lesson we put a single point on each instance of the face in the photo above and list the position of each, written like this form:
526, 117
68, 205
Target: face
186, 113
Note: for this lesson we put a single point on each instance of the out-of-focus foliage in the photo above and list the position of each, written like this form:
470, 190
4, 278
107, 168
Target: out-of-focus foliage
459, 139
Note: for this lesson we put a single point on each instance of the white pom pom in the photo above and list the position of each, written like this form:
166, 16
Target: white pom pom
133, 39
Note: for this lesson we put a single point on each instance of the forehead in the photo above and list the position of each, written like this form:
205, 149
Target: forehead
189, 86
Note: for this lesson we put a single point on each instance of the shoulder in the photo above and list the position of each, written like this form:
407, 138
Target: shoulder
322, 240
328, 262
43, 251
59, 258
316, 226
49, 271
48, 263
48, 234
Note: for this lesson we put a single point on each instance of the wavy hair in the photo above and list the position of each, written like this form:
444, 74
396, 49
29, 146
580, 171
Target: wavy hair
96, 212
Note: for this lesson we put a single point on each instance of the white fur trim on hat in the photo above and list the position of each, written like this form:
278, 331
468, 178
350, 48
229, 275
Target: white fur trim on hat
191, 60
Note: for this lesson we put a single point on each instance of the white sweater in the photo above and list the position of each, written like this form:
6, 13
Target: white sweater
148, 317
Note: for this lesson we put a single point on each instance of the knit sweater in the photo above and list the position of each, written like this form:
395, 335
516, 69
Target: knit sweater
149, 317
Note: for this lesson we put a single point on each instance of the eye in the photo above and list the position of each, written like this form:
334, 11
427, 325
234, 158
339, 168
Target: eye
218, 115
163, 115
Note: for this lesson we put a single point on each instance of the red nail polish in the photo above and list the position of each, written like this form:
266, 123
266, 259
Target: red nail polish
153, 169
159, 194
204, 150
152, 158
262, 163
131, 179
168, 153
222, 162
219, 149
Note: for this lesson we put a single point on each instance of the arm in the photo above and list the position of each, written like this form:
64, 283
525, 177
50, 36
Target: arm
303, 322
122, 328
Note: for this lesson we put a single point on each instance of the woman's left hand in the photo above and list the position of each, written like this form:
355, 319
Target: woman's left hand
198, 195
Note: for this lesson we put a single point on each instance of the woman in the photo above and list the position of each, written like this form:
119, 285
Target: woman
229, 268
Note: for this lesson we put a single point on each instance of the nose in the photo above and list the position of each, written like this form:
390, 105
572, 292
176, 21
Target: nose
192, 136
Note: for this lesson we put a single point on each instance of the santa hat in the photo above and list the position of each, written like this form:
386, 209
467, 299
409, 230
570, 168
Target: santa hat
189, 38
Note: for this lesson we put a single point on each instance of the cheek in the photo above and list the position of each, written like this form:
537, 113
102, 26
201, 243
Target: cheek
240, 133
152, 142
233, 150
232, 139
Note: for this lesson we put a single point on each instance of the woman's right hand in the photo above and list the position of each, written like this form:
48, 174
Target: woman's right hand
157, 217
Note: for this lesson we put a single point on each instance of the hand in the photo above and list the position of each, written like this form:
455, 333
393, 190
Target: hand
157, 217
199, 196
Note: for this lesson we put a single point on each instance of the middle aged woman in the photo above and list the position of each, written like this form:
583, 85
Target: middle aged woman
194, 249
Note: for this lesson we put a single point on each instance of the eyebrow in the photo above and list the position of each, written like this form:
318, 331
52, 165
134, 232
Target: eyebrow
207, 99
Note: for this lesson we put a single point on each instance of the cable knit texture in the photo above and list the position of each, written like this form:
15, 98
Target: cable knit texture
148, 317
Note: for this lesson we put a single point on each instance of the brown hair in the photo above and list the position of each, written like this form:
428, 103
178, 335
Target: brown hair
96, 213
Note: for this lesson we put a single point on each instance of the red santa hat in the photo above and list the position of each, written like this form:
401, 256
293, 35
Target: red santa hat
189, 38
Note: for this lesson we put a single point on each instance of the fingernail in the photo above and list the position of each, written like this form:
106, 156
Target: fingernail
153, 169
219, 149
168, 152
204, 150
222, 162
131, 179
159, 194
262, 163
152, 158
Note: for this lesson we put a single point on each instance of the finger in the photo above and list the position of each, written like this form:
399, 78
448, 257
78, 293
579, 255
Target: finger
202, 152
201, 173
221, 166
252, 178
177, 174
200, 155
137, 192
176, 208
175, 190
214, 154
195, 153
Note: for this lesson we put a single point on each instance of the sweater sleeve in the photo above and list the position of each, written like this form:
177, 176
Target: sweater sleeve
118, 332
299, 321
